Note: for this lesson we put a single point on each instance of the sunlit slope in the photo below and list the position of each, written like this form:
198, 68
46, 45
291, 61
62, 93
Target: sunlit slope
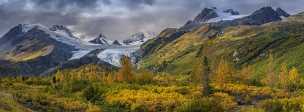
238, 44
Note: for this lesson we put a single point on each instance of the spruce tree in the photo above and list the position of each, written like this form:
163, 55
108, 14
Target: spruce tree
206, 76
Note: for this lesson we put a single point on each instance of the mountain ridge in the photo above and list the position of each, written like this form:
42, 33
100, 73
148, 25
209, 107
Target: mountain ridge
224, 38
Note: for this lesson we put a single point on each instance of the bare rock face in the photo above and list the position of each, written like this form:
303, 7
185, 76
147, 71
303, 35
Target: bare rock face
62, 29
205, 15
261, 16
116, 42
282, 13
231, 11
101, 39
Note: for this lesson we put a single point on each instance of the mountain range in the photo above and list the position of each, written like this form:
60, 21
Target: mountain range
242, 39
30, 49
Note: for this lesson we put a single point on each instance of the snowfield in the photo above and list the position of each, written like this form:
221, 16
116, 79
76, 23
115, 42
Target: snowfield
113, 55
79, 54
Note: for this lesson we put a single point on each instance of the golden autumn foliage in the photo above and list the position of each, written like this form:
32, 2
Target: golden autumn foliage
227, 102
224, 73
293, 80
245, 75
283, 75
92, 89
196, 76
271, 77
125, 72
149, 99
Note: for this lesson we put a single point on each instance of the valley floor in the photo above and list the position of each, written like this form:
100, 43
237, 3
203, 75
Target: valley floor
90, 89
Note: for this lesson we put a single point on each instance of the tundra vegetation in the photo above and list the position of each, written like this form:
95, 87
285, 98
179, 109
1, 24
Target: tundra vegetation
90, 88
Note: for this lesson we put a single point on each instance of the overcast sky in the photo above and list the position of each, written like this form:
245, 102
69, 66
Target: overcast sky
120, 18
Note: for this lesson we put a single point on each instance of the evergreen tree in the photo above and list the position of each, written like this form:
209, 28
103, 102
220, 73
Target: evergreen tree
206, 76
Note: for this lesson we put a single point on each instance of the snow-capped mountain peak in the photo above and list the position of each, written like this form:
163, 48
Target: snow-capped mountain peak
211, 15
224, 15
101, 40
62, 30
57, 32
208, 15
26, 27
138, 38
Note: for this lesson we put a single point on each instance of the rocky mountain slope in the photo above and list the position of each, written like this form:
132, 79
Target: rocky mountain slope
33, 49
38, 50
30, 49
244, 41
102, 40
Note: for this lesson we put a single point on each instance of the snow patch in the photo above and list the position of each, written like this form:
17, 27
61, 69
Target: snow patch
222, 16
27, 27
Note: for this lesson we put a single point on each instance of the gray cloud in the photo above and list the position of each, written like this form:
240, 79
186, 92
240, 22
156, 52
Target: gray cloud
65, 3
120, 18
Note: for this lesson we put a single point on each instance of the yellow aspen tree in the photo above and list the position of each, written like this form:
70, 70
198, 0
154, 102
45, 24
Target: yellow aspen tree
283, 75
223, 73
109, 79
293, 79
271, 77
125, 72
59, 76
245, 75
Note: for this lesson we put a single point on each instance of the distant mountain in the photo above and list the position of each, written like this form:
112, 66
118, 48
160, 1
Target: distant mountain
117, 43
138, 38
102, 40
60, 29
231, 17
262, 16
211, 15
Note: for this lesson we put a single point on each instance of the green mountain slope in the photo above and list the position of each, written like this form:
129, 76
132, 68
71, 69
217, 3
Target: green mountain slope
241, 45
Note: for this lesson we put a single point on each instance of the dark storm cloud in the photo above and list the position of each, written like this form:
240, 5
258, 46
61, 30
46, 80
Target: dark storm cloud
120, 18
135, 3
65, 3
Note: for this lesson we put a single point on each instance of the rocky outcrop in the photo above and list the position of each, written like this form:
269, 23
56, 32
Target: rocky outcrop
116, 42
138, 37
101, 39
205, 15
232, 12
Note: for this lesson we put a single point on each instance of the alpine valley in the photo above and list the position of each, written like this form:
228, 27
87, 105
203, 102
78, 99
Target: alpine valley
219, 61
